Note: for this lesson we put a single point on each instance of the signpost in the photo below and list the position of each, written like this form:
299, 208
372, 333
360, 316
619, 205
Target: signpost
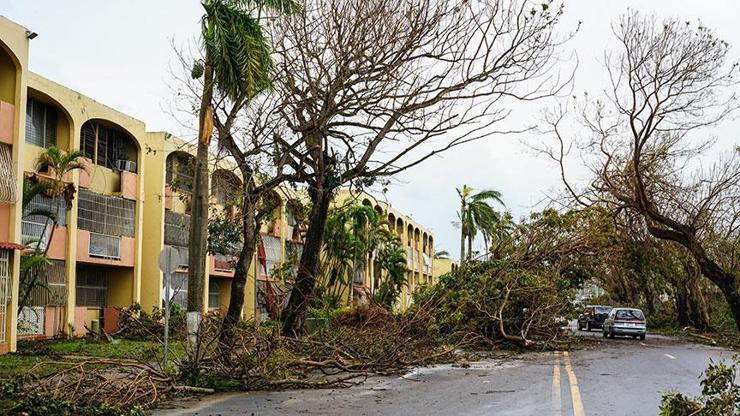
169, 259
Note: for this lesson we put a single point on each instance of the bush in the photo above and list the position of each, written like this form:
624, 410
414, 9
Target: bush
720, 395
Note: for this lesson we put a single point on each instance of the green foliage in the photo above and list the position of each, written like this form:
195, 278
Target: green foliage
392, 259
142, 326
236, 47
720, 395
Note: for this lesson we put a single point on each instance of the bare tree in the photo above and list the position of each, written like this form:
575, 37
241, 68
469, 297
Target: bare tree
374, 87
669, 80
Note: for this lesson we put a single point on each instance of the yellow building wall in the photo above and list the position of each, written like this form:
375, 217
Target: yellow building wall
13, 80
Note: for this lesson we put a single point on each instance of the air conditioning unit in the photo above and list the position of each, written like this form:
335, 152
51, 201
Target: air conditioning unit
127, 165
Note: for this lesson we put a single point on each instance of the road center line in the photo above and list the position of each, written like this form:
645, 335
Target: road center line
557, 406
575, 393
670, 356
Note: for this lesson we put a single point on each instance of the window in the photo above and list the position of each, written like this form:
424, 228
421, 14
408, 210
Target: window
629, 314
41, 124
105, 246
178, 289
92, 286
106, 145
273, 253
214, 293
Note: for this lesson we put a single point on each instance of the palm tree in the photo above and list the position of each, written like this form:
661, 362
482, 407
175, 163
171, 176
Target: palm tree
236, 65
59, 163
476, 213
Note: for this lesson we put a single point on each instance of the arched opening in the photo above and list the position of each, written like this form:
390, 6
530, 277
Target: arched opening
225, 187
8, 74
180, 171
47, 123
107, 144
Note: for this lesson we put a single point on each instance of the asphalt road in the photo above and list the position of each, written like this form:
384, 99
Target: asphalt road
619, 377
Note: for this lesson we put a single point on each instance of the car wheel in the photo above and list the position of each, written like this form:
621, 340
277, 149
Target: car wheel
642, 337
578, 325
588, 326
611, 334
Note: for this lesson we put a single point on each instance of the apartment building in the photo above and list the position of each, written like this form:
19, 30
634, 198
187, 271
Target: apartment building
129, 202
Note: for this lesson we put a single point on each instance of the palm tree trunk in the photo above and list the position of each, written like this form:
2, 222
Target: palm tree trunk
199, 210
462, 229
470, 246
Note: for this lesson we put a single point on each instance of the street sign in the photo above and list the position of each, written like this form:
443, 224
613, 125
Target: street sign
169, 259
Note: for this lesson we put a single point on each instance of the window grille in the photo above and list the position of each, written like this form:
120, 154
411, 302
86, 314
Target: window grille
178, 289
214, 293
7, 177
92, 286
31, 320
273, 253
184, 255
41, 124
35, 234
4, 290
104, 214
105, 246
176, 228
53, 288
87, 137
58, 206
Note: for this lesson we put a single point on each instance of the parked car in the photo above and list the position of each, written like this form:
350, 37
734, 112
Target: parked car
625, 321
593, 316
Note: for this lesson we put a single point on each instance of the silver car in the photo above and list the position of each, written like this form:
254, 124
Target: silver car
625, 321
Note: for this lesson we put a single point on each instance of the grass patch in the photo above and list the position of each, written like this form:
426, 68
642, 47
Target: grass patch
31, 353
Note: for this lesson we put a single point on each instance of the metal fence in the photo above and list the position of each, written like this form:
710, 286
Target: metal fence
4, 290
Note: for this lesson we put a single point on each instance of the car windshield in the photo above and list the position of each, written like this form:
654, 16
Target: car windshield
601, 310
629, 314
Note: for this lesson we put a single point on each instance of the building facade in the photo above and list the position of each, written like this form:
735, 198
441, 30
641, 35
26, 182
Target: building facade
129, 202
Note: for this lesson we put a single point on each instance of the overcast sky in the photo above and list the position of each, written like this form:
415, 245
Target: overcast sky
119, 53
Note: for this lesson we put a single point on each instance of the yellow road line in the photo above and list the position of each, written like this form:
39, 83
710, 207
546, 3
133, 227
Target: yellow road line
557, 406
575, 393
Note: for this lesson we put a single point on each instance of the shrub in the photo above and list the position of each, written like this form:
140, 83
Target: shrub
720, 395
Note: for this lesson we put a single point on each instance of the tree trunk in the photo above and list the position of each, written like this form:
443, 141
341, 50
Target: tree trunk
294, 314
198, 243
462, 230
470, 246
239, 282
682, 306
